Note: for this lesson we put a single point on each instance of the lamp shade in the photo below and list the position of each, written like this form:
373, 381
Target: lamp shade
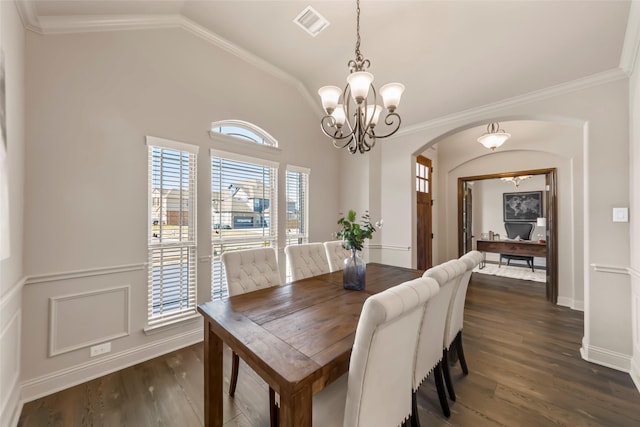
373, 114
339, 115
359, 83
330, 96
541, 222
494, 137
494, 140
391, 93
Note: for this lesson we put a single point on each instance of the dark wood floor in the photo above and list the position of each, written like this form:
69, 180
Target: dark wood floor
522, 352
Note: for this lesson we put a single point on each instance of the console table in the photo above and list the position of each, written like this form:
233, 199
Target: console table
511, 247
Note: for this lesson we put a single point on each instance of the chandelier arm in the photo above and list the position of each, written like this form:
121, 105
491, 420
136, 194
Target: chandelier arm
329, 128
390, 120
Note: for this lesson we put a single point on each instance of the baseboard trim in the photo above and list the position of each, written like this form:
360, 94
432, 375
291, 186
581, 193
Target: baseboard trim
635, 373
15, 405
60, 380
571, 303
607, 358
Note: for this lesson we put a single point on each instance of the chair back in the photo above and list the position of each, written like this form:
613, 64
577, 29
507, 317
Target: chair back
455, 319
306, 260
248, 270
518, 229
380, 369
431, 336
336, 255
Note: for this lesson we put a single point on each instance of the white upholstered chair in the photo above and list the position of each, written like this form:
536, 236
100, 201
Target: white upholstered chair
376, 390
455, 320
430, 341
336, 254
249, 270
306, 260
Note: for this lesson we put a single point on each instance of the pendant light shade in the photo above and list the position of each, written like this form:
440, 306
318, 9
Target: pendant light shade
494, 137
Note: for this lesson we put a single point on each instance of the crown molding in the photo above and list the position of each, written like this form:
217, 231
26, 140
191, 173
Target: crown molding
28, 15
629, 54
549, 92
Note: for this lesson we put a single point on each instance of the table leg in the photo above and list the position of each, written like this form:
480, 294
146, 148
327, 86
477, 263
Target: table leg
212, 378
295, 410
483, 263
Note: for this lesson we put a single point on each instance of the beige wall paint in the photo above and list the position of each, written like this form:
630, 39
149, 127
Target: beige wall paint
599, 115
92, 98
11, 269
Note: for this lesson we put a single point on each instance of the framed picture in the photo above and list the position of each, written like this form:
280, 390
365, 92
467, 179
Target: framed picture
522, 207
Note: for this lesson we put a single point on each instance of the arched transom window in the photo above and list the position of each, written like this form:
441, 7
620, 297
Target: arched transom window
244, 131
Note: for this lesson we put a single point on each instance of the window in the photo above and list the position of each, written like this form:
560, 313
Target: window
243, 209
172, 230
297, 204
244, 131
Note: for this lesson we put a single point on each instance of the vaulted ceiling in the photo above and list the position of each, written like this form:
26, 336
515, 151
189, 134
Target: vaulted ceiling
452, 55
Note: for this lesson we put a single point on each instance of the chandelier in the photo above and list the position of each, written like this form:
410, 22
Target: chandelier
516, 180
494, 137
352, 116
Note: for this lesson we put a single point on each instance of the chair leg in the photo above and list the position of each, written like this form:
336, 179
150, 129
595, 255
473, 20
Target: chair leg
273, 408
233, 381
463, 362
415, 419
447, 374
442, 396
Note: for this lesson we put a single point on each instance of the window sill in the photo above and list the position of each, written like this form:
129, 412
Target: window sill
171, 324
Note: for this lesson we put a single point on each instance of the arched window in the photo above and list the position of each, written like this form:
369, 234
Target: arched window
244, 131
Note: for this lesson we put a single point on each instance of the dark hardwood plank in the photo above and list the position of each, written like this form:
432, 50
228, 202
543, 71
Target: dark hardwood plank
522, 352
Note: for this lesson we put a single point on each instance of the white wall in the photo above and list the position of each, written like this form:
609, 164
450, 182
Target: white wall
11, 269
92, 98
598, 112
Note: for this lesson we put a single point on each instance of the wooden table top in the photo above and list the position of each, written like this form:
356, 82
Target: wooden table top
300, 332
513, 247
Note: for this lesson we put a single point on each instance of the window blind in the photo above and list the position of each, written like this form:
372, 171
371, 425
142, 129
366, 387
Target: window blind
297, 183
172, 230
243, 209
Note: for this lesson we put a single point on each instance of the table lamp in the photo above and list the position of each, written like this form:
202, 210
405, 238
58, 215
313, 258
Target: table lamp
541, 222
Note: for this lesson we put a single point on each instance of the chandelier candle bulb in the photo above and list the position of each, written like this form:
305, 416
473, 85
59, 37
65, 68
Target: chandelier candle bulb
359, 84
373, 114
391, 93
339, 115
330, 96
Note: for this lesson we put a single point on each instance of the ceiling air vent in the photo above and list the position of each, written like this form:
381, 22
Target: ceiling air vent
311, 21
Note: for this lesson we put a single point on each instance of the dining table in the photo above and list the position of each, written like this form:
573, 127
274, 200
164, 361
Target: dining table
297, 337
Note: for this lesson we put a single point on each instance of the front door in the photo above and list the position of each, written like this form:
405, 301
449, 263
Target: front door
423, 226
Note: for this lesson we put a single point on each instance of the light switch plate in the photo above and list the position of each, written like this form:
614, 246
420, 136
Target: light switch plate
620, 214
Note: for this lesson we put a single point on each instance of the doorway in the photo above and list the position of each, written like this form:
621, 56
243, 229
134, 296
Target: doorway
550, 212
424, 203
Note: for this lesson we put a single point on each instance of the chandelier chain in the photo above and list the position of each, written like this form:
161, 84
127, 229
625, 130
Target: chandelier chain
358, 54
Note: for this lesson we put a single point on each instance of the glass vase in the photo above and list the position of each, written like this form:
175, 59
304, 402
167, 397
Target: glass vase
353, 275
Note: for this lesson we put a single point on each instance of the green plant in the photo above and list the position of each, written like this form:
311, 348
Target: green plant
352, 233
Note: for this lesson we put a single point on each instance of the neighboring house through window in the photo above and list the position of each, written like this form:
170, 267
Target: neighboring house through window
243, 199
172, 249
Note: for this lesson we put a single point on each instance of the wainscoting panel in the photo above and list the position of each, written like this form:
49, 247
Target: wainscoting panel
88, 318
10, 368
